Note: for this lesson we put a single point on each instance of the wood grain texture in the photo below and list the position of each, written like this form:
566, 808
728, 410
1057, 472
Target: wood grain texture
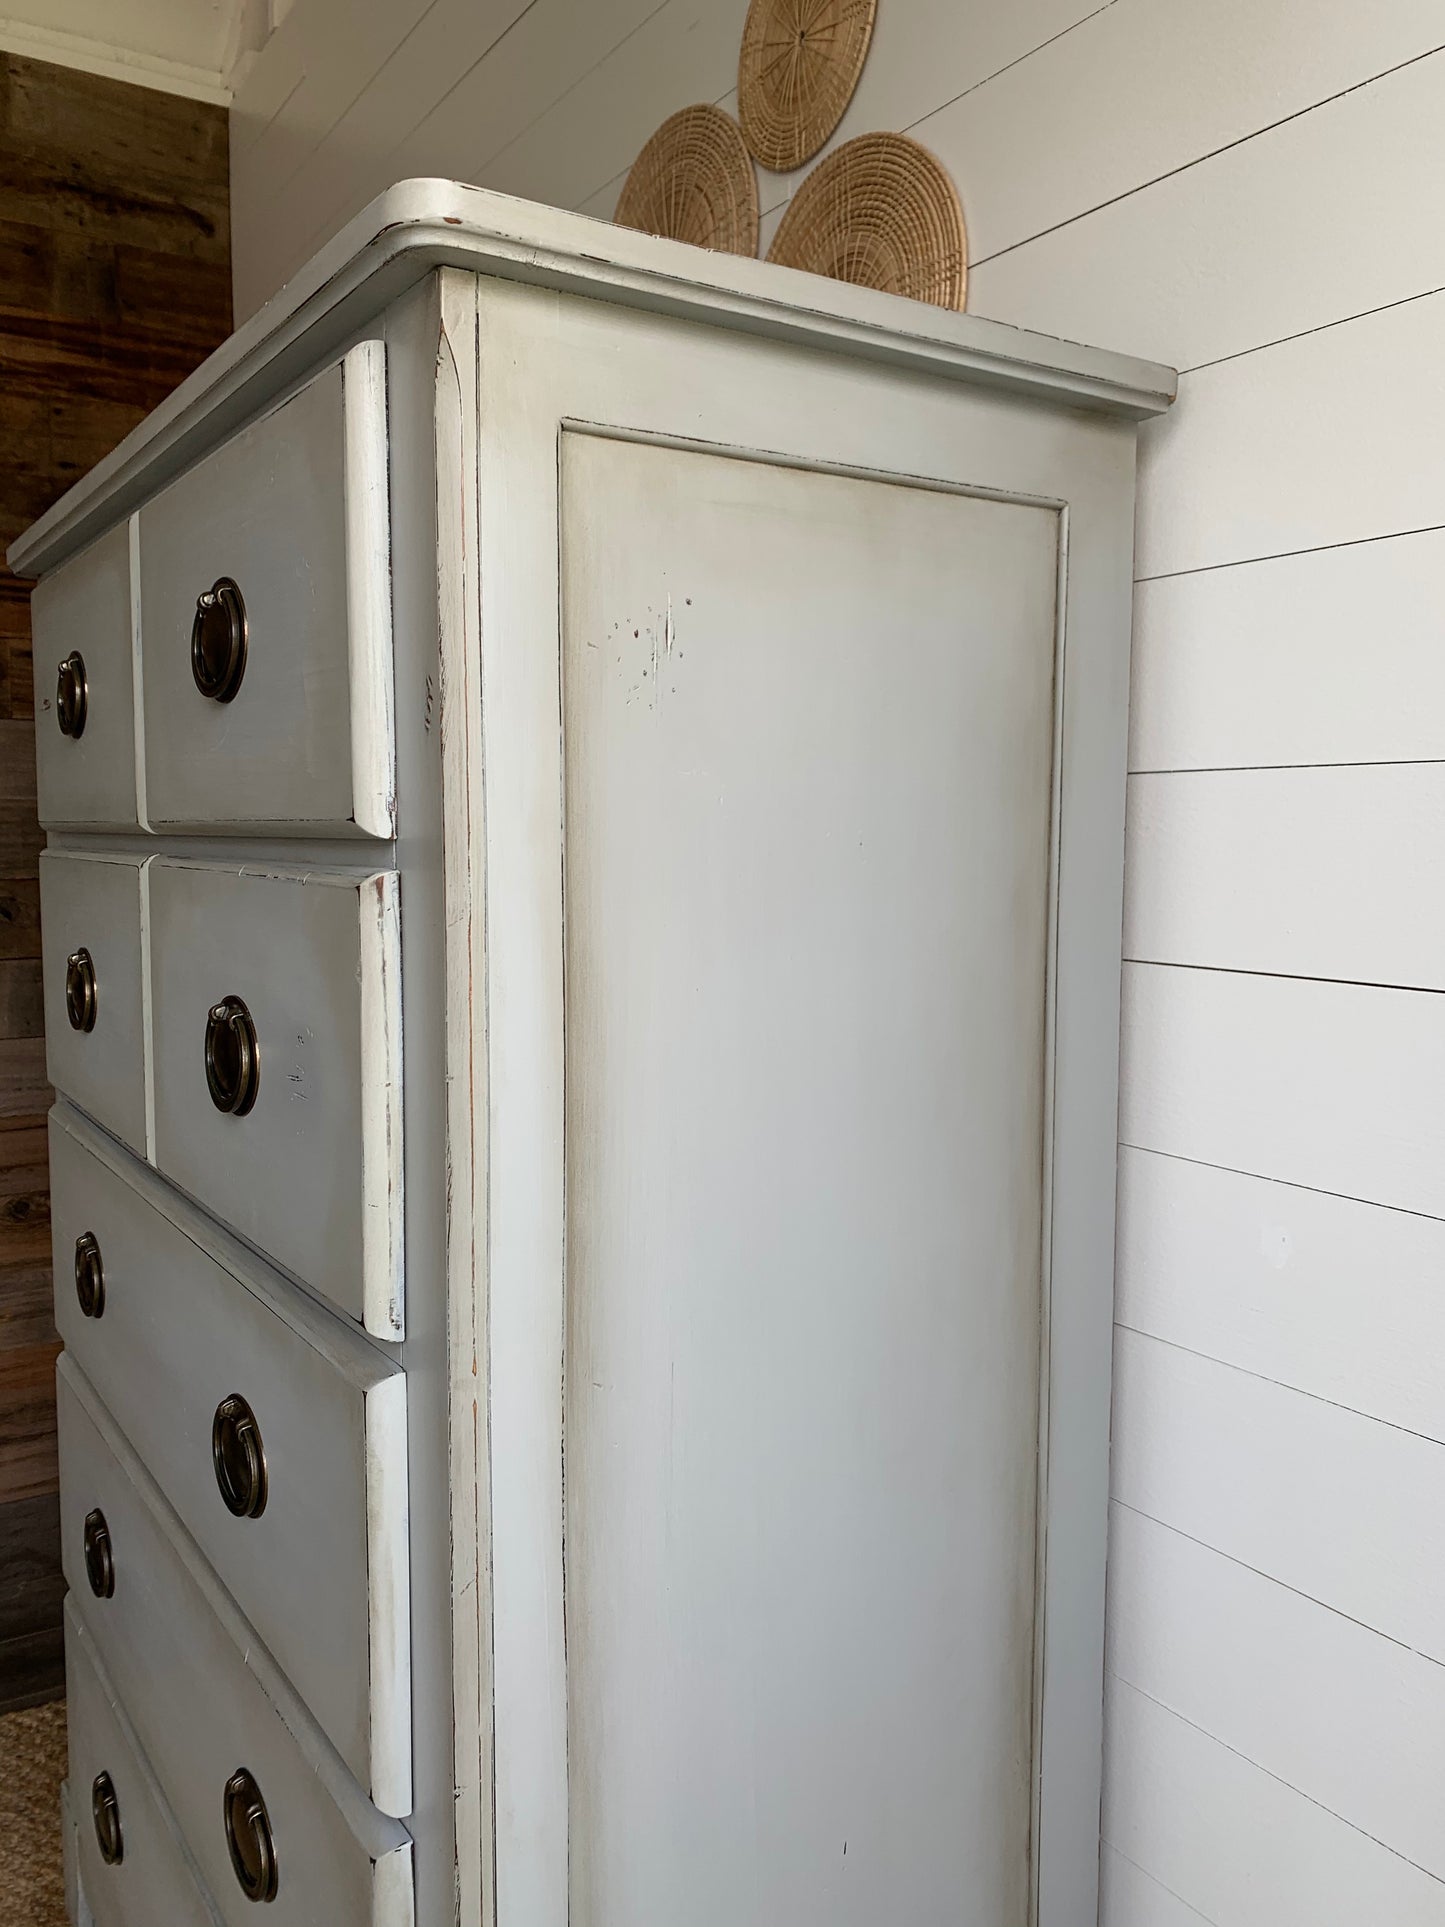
114, 283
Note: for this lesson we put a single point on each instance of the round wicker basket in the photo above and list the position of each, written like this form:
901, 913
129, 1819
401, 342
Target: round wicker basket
799, 64
879, 211
694, 181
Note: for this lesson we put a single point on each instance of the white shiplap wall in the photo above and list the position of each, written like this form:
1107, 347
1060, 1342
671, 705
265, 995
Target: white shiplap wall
1250, 189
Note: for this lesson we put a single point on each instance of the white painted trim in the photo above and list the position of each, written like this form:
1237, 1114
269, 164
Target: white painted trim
88, 56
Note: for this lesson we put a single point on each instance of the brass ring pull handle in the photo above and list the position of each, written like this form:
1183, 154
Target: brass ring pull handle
218, 641
72, 694
239, 1458
89, 1275
105, 1811
233, 1057
248, 1835
99, 1560
82, 999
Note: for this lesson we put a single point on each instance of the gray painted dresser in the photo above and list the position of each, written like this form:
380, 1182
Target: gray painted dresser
584, 792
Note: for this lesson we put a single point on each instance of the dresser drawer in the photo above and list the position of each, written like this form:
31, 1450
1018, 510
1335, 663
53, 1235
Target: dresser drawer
91, 940
172, 1323
208, 1702
85, 719
151, 1879
298, 976
269, 704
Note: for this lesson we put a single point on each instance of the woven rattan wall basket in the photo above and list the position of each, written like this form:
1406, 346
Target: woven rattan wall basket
694, 181
881, 212
799, 64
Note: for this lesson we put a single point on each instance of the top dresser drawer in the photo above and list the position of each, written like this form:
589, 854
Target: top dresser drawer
84, 689
265, 616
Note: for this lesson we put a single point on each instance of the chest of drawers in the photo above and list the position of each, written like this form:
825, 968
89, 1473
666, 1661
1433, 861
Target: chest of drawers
584, 791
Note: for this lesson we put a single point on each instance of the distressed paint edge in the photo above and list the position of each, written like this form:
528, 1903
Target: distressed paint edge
383, 1205
388, 1585
368, 587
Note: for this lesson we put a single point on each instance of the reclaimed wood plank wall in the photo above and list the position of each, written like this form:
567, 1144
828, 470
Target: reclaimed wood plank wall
115, 281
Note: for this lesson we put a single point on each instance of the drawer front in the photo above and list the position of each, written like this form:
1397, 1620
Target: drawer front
298, 977
91, 942
154, 1879
202, 1713
172, 1323
288, 726
85, 718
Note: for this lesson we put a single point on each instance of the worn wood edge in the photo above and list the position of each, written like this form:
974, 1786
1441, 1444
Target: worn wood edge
457, 402
368, 587
378, 1833
353, 1357
137, 671
147, 1016
419, 225
81, 1649
388, 1584
382, 1181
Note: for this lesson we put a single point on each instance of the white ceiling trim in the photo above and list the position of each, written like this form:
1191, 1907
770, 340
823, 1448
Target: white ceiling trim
114, 63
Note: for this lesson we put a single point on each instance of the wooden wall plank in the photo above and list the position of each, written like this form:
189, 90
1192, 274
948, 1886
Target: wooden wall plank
1329, 872
1332, 1504
1337, 656
1244, 250
1129, 1897
1353, 1721
1246, 1848
1137, 91
1249, 462
114, 284
1334, 1086
1336, 1298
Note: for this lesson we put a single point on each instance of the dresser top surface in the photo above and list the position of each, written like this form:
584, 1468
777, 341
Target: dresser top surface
420, 225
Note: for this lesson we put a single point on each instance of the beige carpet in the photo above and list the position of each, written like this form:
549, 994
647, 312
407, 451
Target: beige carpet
32, 1765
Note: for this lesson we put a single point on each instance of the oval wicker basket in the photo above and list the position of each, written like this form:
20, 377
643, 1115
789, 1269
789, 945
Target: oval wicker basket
797, 70
694, 181
879, 211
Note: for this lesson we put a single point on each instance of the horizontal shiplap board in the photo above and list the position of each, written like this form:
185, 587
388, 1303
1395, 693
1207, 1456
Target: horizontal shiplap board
685, 52
1335, 1086
1147, 86
1327, 438
1336, 1298
1322, 872
1245, 248
1349, 1719
1129, 1897
1335, 1505
1336, 656
1247, 1849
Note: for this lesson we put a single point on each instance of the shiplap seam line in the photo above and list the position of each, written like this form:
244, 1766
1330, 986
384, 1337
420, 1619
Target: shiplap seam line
1273, 1579
1281, 1384
1268, 1177
279, 110
1284, 555
1260, 1767
1270, 769
1200, 159
617, 179
1139, 1868
1280, 976
943, 105
1303, 334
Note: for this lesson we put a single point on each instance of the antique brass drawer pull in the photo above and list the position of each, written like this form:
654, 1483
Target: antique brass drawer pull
81, 996
72, 694
248, 1835
105, 1810
239, 1458
233, 1057
218, 641
99, 1560
89, 1275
